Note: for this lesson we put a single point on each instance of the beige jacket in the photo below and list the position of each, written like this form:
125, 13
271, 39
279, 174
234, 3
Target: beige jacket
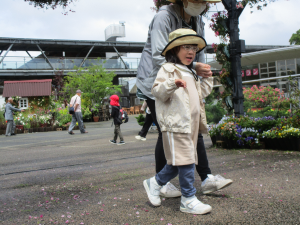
172, 103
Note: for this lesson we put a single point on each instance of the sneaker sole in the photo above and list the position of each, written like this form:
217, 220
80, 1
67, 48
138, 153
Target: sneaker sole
217, 188
185, 210
121, 144
170, 196
138, 138
226, 184
112, 143
148, 192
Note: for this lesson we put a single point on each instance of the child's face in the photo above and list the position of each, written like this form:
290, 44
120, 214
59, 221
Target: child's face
187, 54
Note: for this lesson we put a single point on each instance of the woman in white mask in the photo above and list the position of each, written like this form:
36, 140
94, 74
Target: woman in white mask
181, 14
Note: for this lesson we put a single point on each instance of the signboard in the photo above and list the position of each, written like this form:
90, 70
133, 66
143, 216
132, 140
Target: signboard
248, 73
255, 71
243, 73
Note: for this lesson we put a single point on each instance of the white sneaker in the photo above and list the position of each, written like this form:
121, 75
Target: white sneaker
138, 137
194, 206
214, 183
152, 188
143, 139
169, 191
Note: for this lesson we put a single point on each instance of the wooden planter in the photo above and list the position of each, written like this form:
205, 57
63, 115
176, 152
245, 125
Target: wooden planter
41, 129
20, 127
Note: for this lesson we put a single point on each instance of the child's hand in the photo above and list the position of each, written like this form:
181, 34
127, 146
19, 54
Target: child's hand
180, 83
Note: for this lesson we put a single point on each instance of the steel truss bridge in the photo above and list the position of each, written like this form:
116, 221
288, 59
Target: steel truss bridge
62, 55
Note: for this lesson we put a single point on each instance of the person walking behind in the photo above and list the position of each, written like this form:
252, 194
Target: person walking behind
115, 114
77, 116
11, 126
181, 14
147, 124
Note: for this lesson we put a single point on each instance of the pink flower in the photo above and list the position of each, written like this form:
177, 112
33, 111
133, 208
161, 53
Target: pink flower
41, 216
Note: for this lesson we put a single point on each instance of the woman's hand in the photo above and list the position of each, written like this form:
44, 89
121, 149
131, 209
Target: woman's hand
180, 83
203, 70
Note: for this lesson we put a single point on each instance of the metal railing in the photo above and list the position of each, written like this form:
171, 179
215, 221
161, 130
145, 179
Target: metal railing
27, 63
60, 63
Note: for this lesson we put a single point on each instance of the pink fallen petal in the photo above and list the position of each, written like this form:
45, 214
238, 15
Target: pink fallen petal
29, 217
162, 219
81, 223
35, 217
137, 213
101, 210
115, 197
41, 216
69, 216
67, 221
146, 210
62, 215
245, 211
87, 213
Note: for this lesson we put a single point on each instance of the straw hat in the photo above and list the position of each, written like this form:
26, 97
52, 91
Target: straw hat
184, 36
208, 1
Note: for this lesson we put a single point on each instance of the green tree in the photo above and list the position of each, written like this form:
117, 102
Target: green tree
94, 81
295, 39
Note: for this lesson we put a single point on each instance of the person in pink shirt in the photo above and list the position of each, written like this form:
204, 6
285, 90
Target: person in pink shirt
77, 116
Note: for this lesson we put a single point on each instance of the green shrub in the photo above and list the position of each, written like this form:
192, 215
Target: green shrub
140, 119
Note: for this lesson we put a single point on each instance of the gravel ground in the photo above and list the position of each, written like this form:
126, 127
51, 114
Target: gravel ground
56, 178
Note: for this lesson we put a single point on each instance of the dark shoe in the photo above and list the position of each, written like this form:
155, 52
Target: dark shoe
13, 134
121, 143
71, 132
112, 141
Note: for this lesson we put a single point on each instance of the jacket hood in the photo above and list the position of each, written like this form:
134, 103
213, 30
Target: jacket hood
114, 100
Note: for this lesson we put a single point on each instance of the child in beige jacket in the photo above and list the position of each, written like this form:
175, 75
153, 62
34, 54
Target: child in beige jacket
181, 116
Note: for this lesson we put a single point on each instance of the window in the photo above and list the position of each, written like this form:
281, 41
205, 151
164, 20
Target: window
23, 103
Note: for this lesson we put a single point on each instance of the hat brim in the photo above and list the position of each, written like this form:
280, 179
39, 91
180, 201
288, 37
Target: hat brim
189, 39
209, 1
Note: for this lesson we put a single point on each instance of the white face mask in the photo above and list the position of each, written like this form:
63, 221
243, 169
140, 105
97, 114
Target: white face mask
195, 9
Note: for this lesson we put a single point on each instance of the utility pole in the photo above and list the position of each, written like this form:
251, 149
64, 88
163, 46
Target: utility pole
237, 46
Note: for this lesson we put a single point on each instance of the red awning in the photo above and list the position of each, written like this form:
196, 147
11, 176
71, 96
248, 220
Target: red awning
27, 88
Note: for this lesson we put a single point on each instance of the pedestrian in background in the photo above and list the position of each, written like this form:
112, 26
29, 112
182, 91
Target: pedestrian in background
9, 109
147, 124
77, 116
115, 114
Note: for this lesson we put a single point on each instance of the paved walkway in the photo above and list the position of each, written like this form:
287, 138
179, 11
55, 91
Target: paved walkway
56, 178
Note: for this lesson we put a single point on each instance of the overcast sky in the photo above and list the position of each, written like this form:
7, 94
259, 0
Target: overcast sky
273, 25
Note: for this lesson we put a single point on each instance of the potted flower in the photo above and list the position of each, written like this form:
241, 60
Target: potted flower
95, 111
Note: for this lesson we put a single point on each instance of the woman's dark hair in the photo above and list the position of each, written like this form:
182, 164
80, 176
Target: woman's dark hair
171, 56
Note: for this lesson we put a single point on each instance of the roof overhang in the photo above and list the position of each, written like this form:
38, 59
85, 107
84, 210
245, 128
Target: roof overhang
265, 56
27, 88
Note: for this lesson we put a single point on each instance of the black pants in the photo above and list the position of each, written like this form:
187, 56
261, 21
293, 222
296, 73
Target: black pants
160, 159
147, 125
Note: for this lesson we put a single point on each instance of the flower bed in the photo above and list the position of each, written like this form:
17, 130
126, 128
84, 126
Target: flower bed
249, 132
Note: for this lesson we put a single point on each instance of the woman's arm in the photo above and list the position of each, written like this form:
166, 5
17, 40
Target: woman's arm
206, 86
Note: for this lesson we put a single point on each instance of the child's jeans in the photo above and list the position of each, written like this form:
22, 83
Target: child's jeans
186, 178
